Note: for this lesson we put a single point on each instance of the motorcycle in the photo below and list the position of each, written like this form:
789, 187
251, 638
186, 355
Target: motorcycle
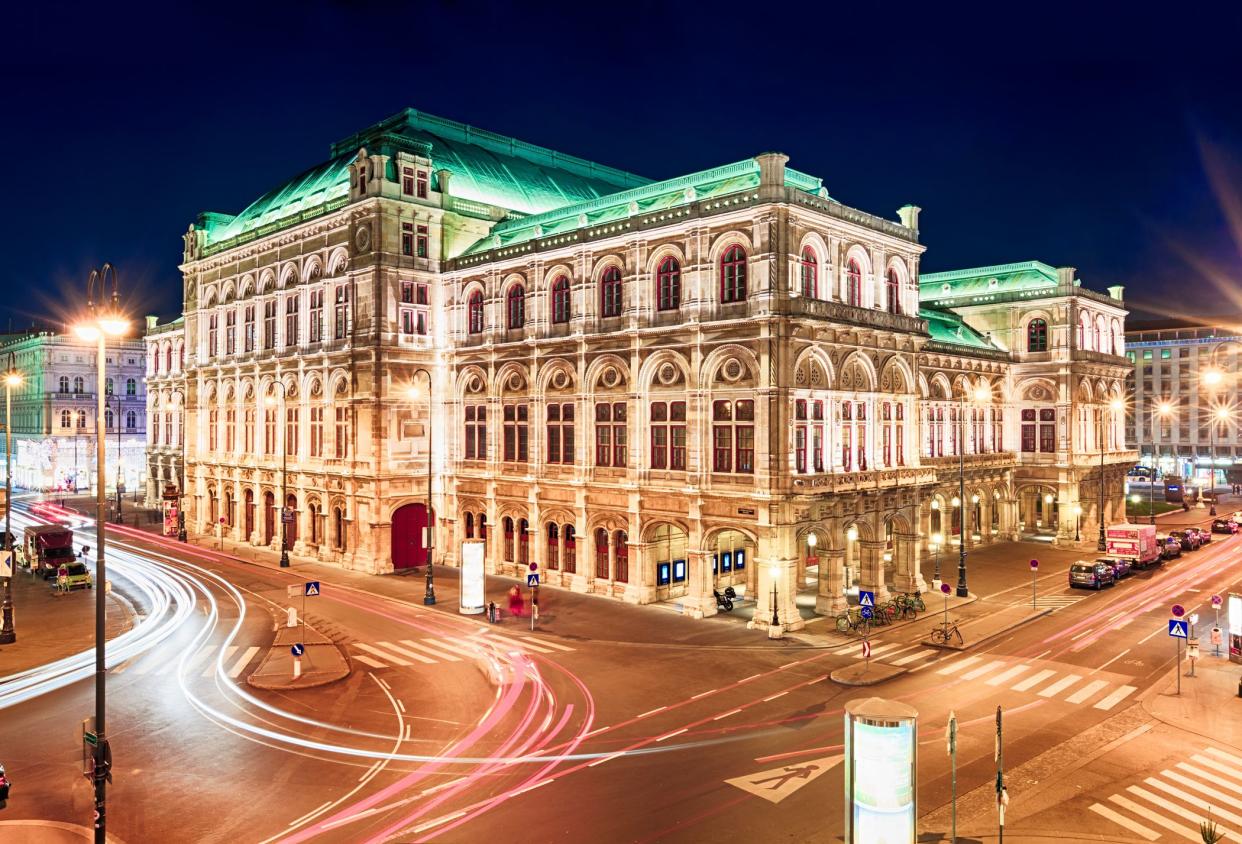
725, 601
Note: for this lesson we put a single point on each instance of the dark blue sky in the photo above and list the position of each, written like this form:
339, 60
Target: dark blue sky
1070, 135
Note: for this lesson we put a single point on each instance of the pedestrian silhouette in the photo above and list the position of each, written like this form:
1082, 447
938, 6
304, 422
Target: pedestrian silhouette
791, 774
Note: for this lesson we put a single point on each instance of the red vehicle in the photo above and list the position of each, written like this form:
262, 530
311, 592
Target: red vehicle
1136, 543
47, 547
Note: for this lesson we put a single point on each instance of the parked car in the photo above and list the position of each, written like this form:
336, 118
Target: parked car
1120, 565
1170, 547
1224, 526
1188, 538
77, 576
1094, 574
1205, 536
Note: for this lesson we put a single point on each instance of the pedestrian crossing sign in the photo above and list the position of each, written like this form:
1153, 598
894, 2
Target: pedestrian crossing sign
1177, 628
866, 599
532, 580
312, 589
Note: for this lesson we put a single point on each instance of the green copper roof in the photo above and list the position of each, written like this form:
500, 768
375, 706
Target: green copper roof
656, 196
948, 327
485, 167
1026, 276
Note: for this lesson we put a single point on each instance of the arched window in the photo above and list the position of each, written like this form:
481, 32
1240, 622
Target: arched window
338, 527
66, 419
523, 531
601, 554
77, 384
168, 358
108, 386
482, 526
809, 272
571, 550
1103, 342
476, 312
131, 387
516, 304
1084, 331
82, 419
560, 300
853, 284
314, 523
668, 284
620, 542
108, 418
64, 383
554, 546
506, 527
131, 421
1037, 336
469, 525
733, 275
610, 292
892, 289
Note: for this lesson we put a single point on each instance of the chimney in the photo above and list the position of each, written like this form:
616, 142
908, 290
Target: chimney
1115, 292
1065, 276
909, 216
152, 321
771, 169
444, 176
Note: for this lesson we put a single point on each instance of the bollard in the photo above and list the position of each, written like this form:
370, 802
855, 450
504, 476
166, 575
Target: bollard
291, 617
297, 667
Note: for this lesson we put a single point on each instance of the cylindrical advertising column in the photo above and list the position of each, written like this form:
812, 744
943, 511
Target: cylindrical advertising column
473, 577
1235, 627
880, 758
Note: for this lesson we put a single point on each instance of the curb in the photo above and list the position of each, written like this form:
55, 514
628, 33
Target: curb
861, 675
945, 646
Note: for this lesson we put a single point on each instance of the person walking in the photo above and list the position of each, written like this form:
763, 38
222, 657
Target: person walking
516, 602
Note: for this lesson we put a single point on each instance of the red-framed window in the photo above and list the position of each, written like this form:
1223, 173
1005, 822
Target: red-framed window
516, 433
420, 242
860, 414
506, 526
475, 308
571, 549
601, 554
230, 430
407, 181
610, 439
230, 336
621, 546
420, 189
668, 284
892, 290
560, 433
248, 329
954, 428
269, 430
515, 304
800, 435
341, 434
1047, 430
341, 316
733, 436
291, 431
901, 434
523, 542
886, 432
316, 316
553, 559
1037, 335
817, 434
407, 239
291, 321
733, 275
610, 292
476, 432
809, 272
248, 431
316, 431
668, 435
853, 284
212, 422
560, 300
213, 323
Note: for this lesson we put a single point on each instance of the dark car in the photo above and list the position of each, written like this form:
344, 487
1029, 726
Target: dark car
1120, 565
1188, 538
1094, 575
1170, 547
1224, 526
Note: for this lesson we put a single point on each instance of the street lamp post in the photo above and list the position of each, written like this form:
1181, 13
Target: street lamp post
116, 420
284, 473
979, 395
12, 378
1162, 410
181, 537
1077, 522
1101, 545
429, 594
937, 542
105, 319
1212, 378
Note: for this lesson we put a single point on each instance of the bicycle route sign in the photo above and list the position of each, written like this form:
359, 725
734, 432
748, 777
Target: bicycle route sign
866, 599
866, 612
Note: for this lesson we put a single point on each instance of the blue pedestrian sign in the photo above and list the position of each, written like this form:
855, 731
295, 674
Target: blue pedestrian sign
298, 649
312, 589
1177, 628
532, 580
866, 612
866, 599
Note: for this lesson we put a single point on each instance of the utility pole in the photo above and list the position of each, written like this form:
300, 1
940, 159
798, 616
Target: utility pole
951, 737
1002, 796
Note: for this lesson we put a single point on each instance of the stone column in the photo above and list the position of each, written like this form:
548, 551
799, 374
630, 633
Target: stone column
871, 568
831, 597
985, 520
699, 601
908, 577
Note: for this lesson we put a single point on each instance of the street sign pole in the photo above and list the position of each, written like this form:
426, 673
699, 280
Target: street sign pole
1034, 577
1000, 778
953, 770
1179, 666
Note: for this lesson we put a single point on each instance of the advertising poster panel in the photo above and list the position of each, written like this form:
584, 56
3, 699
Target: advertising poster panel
473, 600
880, 772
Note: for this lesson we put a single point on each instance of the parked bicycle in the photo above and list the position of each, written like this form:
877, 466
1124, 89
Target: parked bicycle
851, 620
943, 633
913, 600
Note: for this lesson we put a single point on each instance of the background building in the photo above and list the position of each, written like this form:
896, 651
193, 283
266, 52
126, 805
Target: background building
165, 404
649, 388
1184, 380
54, 412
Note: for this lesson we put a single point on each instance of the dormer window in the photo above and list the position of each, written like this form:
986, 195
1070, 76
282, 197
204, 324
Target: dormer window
421, 189
407, 181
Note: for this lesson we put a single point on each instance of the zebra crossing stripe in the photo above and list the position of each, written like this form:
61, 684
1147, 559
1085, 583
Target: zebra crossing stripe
1204, 775
1167, 805
1160, 820
954, 667
389, 646
550, 644
1032, 681
1115, 698
454, 647
1195, 785
366, 660
395, 660
922, 653
1122, 820
1087, 691
515, 643
1005, 676
1222, 755
243, 661
984, 669
192, 663
1060, 685
1197, 802
447, 657
228, 654
1212, 763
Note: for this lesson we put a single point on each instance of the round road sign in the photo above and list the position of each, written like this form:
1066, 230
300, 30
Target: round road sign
1178, 611
1216, 601
533, 566
946, 588
866, 612
298, 649
1034, 565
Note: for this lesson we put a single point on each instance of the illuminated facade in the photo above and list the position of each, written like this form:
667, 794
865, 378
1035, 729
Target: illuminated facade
165, 377
649, 389
54, 413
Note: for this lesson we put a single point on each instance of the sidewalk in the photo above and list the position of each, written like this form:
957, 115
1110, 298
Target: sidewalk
1208, 705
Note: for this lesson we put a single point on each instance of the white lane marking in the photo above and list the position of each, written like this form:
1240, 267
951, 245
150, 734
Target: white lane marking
1087, 691
1033, 680
983, 669
447, 657
775, 696
393, 658
1212, 778
1007, 675
703, 694
453, 647
674, 733
1080, 635
1115, 698
1123, 821
443, 819
243, 661
876, 651
311, 814
954, 667
748, 679
397, 649
1198, 802
1060, 685
548, 643
653, 711
1167, 805
921, 654
727, 714
366, 660
1155, 632
228, 654
1111, 661
1159, 820
1212, 763
516, 642
604, 759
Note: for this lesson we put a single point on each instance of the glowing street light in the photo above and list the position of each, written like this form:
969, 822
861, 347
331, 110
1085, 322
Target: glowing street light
414, 394
1221, 414
12, 378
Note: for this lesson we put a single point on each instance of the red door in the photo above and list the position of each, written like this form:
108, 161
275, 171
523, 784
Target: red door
291, 529
249, 515
407, 536
269, 517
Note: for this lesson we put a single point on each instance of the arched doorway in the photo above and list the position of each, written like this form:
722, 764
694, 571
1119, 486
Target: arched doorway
408, 525
249, 502
269, 517
667, 551
731, 560
291, 528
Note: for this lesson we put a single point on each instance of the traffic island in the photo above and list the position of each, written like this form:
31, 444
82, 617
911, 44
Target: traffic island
322, 662
862, 674
979, 630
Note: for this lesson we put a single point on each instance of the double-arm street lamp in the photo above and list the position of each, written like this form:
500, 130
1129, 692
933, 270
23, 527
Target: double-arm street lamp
284, 467
429, 595
979, 394
104, 319
12, 378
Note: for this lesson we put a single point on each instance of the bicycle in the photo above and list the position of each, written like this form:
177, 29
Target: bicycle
913, 601
849, 620
942, 633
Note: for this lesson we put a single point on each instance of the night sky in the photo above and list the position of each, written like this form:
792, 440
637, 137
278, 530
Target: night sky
1073, 136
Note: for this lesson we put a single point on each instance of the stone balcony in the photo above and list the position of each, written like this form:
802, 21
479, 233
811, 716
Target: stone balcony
873, 479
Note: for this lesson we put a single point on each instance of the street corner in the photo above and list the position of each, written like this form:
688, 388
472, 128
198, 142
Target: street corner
865, 675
